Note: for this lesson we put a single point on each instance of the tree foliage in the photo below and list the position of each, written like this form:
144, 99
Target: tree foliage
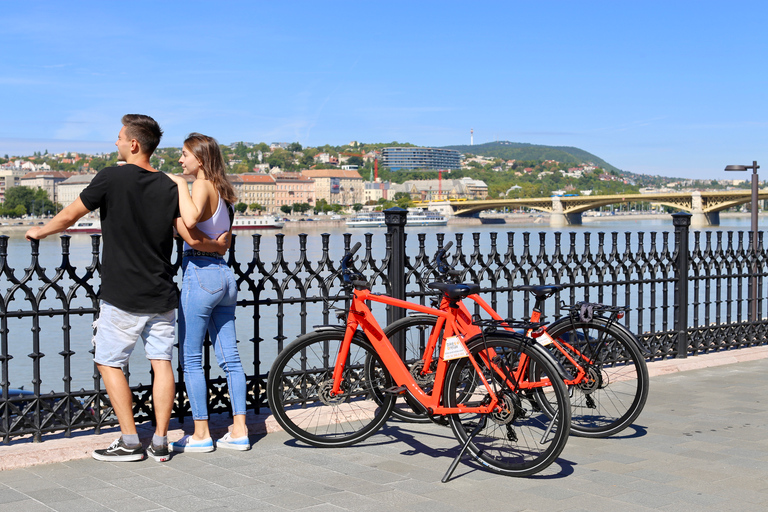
34, 201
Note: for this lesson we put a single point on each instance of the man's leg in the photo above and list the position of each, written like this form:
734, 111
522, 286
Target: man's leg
120, 396
163, 394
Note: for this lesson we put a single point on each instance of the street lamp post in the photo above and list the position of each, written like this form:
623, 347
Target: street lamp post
754, 167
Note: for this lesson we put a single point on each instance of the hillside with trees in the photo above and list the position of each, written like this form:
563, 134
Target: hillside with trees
506, 150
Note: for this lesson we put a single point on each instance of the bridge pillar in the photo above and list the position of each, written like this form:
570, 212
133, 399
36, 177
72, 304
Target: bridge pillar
560, 219
700, 218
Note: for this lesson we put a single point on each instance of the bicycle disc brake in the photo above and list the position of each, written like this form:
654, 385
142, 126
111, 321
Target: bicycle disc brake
422, 379
511, 409
324, 393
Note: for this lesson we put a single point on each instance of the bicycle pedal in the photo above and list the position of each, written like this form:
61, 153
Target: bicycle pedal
396, 390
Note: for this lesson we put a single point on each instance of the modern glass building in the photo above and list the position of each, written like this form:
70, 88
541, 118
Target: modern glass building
420, 158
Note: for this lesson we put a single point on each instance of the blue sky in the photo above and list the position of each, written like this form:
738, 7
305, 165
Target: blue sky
670, 88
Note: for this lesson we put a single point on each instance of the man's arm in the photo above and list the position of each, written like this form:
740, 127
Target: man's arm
197, 239
60, 222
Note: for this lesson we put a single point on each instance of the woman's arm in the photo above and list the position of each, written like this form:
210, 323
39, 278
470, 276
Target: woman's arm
196, 239
191, 207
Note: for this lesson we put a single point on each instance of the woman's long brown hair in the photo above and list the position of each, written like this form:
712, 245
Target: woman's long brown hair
208, 152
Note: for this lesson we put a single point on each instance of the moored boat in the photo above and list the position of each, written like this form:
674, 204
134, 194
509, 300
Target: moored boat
258, 222
86, 226
416, 217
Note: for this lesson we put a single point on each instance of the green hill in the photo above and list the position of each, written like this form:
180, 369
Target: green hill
523, 151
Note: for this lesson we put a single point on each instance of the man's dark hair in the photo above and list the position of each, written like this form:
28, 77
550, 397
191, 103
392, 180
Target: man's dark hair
145, 130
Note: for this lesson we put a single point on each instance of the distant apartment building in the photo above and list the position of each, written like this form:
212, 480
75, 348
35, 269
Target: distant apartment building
435, 190
292, 188
420, 158
9, 178
69, 189
337, 186
258, 188
326, 159
374, 191
45, 180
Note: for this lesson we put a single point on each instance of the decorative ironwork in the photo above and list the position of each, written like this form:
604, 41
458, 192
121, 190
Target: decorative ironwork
682, 302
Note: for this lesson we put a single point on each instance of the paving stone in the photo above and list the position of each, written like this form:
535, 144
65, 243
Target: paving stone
697, 446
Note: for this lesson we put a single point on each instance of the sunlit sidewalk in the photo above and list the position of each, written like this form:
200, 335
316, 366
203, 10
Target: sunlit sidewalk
699, 444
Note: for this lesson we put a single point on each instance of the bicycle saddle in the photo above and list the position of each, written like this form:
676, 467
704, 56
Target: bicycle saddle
456, 291
540, 291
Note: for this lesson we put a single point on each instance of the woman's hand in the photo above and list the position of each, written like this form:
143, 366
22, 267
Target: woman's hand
180, 181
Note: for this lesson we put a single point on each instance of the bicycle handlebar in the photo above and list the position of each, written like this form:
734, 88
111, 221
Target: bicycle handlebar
440, 265
348, 257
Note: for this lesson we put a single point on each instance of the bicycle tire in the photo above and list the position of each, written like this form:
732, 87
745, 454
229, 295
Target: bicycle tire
298, 385
615, 390
521, 440
416, 330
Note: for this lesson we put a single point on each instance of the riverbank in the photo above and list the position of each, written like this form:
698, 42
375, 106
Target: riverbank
297, 223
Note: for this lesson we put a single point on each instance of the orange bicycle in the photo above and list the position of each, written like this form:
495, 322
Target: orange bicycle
607, 374
337, 385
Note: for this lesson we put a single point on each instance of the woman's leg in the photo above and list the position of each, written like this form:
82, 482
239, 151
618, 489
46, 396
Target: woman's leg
195, 309
222, 331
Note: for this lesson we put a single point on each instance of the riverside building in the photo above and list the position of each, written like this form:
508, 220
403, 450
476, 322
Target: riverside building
420, 158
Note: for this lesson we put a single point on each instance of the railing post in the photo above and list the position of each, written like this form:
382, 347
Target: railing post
395, 218
682, 222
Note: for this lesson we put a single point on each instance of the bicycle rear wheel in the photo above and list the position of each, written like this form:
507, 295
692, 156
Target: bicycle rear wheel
299, 385
614, 391
519, 440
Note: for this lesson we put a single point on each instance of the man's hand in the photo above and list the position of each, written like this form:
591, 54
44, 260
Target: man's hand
34, 234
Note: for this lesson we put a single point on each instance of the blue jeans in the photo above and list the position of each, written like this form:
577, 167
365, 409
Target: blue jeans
208, 298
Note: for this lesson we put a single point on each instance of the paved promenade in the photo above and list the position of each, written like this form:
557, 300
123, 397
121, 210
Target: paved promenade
701, 444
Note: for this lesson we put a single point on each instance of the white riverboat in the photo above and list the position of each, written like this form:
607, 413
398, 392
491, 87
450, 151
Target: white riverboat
85, 225
258, 222
416, 217
92, 225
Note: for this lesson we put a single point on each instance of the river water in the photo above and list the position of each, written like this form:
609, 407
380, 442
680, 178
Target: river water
83, 372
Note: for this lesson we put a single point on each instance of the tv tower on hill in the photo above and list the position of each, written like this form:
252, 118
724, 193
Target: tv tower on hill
471, 136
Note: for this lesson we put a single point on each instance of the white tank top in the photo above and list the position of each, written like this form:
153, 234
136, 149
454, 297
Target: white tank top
217, 225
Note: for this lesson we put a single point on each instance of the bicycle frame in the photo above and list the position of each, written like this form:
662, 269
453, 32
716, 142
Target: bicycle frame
361, 316
463, 320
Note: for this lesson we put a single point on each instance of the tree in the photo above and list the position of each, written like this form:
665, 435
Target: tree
285, 209
357, 207
355, 160
241, 207
255, 207
34, 200
294, 147
301, 207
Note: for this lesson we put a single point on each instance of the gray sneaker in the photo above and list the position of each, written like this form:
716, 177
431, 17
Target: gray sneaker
119, 452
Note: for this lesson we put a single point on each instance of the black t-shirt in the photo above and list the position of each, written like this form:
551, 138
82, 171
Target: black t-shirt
138, 208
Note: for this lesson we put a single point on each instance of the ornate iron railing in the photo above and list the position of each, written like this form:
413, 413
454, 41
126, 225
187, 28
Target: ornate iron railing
684, 301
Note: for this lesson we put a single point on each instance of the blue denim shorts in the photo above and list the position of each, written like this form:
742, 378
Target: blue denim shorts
117, 332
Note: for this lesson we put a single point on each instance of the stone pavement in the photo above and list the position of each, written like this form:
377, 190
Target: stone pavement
700, 444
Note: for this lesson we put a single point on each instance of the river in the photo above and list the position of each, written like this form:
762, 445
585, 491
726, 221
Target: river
20, 344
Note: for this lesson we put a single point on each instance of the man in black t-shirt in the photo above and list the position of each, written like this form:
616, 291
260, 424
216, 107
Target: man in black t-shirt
138, 208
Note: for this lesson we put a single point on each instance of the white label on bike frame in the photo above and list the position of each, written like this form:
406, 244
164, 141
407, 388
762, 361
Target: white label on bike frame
454, 349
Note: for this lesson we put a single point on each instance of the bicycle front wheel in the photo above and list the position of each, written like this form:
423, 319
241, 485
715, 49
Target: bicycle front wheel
520, 439
614, 389
300, 383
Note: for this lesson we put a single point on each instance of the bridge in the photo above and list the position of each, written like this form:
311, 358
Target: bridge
705, 206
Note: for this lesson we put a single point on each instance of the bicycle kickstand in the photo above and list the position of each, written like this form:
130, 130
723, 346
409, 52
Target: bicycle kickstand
471, 436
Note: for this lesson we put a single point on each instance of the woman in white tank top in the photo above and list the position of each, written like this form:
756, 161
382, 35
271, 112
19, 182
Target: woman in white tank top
208, 296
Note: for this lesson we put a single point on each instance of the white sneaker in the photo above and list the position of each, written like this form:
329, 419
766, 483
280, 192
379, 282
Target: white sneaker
234, 443
187, 444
